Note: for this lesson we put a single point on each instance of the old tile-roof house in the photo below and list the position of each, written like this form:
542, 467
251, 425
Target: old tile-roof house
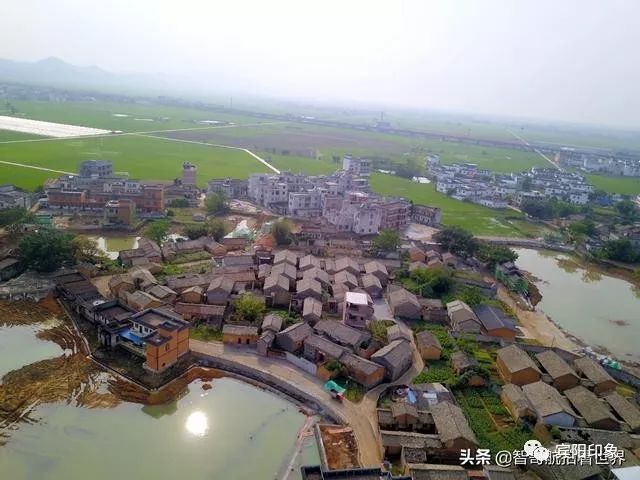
433, 310
286, 270
462, 318
515, 366
626, 410
363, 371
192, 295
342, 334
396, 358
309, 261
265, 342
291, 339
142, 278
347, 264
516, 402
311, 310
397, 332
317, 274
272, 322
599, 380
417, 255
219, 290
9, 268
449, 259
179, 283
276, 288
148, 251
121, 283
461, 363
378, 270
320, 349
163, 293
285, 256
562, 375
404, 304
238, 261
357, 309
344, 277
308, 287
239, 334
413, 266
550, 407
452, 427
140, 300
212, 314
371, 285
494, 322
594, 411
428, 345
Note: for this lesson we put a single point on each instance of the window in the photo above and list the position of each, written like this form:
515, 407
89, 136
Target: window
166, 347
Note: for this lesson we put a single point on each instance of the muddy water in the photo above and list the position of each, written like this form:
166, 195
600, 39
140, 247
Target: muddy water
59, 419
18, 347
600, 310
233, 431
111, 245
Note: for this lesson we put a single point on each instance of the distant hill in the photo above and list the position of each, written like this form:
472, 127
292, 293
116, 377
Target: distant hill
55, 72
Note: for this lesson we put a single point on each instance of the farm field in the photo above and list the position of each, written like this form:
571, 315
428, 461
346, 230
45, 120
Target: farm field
622, 185
101, 115
142, 157
311, 140
10, 136
475, 218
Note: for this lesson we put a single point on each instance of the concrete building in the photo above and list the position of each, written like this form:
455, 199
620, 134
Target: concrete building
357, 309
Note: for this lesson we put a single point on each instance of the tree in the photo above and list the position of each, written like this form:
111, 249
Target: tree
469, 295
411, 168
85, 250
457, 241
217, 228
195, 231
46, 250
621, 250
216, 203
179, 203
249, 307
386, 241
281, 231
9, 216
627, 209
432, 281
158, 231
493, 255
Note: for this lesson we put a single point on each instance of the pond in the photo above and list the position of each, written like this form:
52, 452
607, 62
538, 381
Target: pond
600, 310
19, 346
232, 431
112, 245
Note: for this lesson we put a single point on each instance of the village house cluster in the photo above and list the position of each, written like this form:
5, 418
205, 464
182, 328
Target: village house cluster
341, 201
467, 182
97, 188
626, 166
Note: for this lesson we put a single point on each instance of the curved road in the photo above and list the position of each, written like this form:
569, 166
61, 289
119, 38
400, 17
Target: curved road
361, 417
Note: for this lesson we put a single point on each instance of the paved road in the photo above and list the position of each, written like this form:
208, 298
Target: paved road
359, 416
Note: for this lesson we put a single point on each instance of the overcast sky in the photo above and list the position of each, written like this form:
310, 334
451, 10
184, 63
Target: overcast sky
573, 60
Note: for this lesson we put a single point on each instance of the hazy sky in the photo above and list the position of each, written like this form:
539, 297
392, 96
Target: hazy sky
556, 59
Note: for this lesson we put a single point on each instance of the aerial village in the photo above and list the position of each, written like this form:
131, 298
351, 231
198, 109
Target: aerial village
409, 353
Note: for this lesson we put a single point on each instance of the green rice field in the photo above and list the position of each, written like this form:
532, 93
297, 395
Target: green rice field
622, 185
